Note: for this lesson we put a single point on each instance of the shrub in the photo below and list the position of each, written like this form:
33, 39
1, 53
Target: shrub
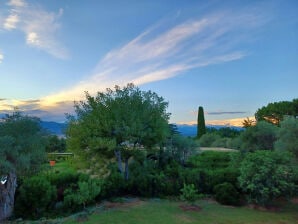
259, 137
34, 197
81, 194
288, 136
206, 140
267, 175
189, 193
226, 194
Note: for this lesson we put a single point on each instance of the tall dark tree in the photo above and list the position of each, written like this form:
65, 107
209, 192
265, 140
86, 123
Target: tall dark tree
201, 127
21, 153
118, 122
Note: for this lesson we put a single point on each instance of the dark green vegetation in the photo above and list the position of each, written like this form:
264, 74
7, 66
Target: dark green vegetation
201, 123
123, 145
275, 112
21, 153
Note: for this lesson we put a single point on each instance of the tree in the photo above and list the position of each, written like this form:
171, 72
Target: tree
259, 137
201, 123
181, 148
288, 136
274, 112
118, 121
248, 123
267, 175
55, 144
21, 153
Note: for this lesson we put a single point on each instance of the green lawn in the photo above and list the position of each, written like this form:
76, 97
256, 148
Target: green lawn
165, 212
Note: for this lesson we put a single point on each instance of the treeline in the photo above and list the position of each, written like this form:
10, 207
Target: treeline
123, 144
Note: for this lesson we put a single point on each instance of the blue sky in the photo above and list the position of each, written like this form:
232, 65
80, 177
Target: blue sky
231, 57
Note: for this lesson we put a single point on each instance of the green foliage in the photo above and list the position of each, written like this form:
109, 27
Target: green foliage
82, 193
201, 123
207, 139
288, 136
21, 144
34, 197
189, 193
259, 137
117, 122
221, 142
180, 148
147, 180
225, 132
211, 160
267, 175
213, 168
55, 144
226, 194
275, 112
113, 185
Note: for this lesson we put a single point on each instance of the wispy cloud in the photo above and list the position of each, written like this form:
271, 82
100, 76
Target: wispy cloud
160, 52
11, 22
1, 57
164, 51
38, 25
17, 3
225, 112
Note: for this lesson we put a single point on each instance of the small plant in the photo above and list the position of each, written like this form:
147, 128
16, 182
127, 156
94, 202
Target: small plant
189, 193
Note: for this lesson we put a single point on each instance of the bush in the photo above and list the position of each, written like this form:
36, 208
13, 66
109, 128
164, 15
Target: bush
214, 168
82, 193
220, 142
259, 137
267, 175
189, 193
226, 194
34, 197
206, 140
288, 136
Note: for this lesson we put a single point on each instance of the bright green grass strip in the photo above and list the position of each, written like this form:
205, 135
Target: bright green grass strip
165, 212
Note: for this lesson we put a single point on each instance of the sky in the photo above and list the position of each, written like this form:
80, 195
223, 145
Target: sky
231, 57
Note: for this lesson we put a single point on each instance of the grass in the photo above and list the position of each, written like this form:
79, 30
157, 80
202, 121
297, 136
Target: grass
164, 212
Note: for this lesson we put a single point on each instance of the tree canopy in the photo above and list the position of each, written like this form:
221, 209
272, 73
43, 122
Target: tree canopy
118, 121
274, 112
21, 152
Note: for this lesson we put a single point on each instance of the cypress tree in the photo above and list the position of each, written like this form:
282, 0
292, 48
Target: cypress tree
201, 127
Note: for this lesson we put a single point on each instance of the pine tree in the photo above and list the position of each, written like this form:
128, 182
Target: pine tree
201, 127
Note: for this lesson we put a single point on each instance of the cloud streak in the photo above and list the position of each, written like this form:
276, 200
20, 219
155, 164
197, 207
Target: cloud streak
38, 25
165, 51
1, 57
226, 112
161, 52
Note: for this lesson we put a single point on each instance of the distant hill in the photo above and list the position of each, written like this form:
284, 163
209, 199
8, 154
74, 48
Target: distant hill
54, 127
184, 129
191, 130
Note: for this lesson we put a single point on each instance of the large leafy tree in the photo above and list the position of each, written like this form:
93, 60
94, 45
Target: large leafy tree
275, 112
21, 153
118, 122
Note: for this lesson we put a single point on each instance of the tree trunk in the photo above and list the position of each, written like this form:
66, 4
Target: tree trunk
118, 157
7, 192
126, 174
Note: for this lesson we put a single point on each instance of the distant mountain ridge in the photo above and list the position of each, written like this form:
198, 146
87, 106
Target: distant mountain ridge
185, 129
191, 130
54, 127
